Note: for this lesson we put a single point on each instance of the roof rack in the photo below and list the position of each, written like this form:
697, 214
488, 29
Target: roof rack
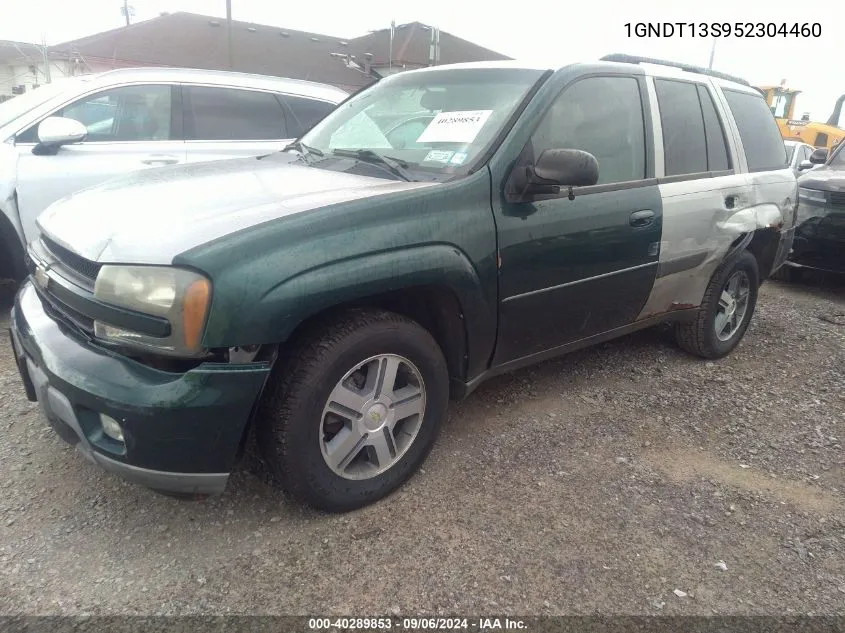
633, 59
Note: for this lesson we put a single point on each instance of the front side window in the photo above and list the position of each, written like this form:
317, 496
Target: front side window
761, 138
602, 116
436, 122
228, 114
805, 154
129, 113
838, 158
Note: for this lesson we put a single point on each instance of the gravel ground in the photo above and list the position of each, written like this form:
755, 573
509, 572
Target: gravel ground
601, 482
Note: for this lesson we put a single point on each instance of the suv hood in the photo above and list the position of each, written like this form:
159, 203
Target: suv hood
150, 216
824, 179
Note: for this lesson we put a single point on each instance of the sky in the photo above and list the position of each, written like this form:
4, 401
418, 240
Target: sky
558, 32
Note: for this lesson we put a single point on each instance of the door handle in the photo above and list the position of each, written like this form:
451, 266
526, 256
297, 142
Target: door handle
160, 159
641, 218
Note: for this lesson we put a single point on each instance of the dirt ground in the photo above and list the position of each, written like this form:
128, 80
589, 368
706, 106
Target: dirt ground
600, 482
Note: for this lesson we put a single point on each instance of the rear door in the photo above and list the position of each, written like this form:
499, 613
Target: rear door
701, 186
129, 128
773, 188
222, 122
226, 122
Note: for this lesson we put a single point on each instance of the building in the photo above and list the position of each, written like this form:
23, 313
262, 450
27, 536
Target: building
25, 66
198, 41
415, 45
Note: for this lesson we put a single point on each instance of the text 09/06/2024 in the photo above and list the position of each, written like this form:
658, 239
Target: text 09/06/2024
722, 29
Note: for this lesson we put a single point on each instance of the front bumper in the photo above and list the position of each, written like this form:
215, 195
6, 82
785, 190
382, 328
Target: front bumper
182, 431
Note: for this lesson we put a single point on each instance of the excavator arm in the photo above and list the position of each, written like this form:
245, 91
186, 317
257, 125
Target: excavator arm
837, 111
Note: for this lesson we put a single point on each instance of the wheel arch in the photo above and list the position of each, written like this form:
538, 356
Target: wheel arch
12, 254
435, 285
764, 245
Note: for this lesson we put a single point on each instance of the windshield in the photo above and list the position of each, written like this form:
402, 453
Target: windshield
432, 122
20, 105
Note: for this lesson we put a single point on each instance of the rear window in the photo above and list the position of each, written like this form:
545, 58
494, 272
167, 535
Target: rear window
761, 138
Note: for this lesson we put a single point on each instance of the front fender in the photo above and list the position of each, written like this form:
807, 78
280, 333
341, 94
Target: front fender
282, 307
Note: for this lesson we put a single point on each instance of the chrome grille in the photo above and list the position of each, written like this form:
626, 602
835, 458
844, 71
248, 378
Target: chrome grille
70, 260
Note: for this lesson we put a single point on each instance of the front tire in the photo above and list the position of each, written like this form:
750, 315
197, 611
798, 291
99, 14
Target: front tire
355, 409
725, 312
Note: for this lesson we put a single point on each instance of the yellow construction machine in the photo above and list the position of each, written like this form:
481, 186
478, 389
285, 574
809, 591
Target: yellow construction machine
782, 102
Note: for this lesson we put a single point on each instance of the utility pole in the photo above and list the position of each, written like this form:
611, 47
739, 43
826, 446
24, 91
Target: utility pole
390, 54
45, 57
712, 53
126, 11
434, 48
229, 31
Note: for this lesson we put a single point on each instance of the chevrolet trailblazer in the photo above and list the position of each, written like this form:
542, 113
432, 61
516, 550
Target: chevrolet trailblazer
438, 228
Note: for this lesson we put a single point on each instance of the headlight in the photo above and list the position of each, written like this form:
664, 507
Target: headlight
811, 194
180, 296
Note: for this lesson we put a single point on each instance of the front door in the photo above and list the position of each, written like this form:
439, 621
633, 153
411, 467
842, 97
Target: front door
574, 268
129, 128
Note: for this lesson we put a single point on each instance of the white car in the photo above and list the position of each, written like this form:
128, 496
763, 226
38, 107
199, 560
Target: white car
798, 155
78, 132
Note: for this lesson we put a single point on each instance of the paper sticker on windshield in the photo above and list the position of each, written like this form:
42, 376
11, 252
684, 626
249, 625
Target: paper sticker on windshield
458, 158
455, 127
438, 156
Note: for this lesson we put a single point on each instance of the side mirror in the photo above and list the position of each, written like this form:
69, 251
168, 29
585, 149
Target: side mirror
805, 164
819, 157
556, 168
55, 131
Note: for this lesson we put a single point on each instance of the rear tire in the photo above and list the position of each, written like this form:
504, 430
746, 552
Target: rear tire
300, 438
718, 327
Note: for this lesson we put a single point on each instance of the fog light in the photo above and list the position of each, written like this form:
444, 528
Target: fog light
111, 427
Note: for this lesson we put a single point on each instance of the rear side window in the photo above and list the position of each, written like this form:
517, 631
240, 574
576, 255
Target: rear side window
761, 138
226, 114
303, 113
717, 151
684, 142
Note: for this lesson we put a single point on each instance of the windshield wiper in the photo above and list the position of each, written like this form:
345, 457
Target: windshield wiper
395, 166
303, 149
